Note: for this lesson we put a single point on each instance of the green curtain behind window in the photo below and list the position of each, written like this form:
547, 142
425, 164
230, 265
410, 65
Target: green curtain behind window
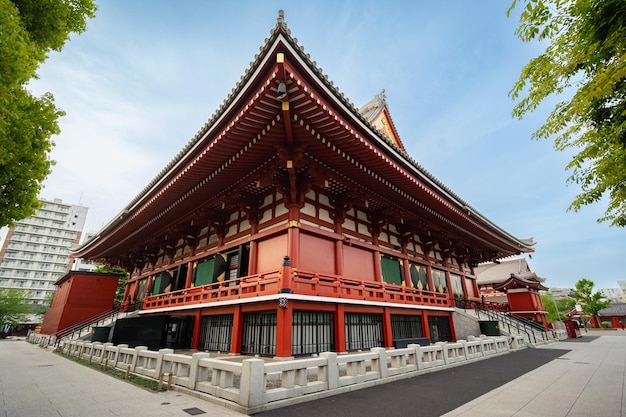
391, 269
204, 272
156, 287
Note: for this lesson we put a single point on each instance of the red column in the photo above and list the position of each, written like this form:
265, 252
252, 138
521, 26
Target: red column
452, 332
284, 322
190, 272
340, 329
378, 270
425, 328
406, 268
237, 336
150, 284
339, 257
387, 333
252, 257
450, 293
196, 330
293, 235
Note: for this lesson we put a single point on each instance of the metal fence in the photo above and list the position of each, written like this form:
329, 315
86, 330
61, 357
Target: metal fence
216, 333
259, 334
363, 331
312, 332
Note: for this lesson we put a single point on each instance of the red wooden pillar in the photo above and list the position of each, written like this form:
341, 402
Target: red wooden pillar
340, 329
190, 272
406, 268
284, 323
196, 330
339, 257
252, 258
253, 254
293, 235
425, 328
452, 332
338, 249
237, 335
149, 284
387, 333
378, 270
429, 276
293, 249
127, 289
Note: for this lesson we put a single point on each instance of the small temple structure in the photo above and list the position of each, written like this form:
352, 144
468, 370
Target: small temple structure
295, 223
512, 287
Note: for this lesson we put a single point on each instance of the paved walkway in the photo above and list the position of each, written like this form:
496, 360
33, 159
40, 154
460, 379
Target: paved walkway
35, 382
587, 381
580, 377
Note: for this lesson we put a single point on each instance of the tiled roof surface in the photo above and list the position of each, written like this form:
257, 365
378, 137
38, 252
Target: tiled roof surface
614, 309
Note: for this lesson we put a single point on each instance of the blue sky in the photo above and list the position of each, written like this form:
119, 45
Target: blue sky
146, 76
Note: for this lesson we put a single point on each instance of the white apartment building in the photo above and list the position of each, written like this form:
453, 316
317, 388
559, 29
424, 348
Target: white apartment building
558, 293
35, 252
614, 295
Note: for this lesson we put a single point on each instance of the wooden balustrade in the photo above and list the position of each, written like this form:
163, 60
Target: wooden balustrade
302, 282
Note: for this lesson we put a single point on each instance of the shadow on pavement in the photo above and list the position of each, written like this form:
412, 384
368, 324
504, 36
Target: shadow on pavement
427, 395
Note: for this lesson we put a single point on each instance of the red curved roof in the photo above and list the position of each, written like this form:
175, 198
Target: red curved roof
246, 143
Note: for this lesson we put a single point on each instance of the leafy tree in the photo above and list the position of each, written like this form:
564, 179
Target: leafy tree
556, 308
14, 307
591, 302
585, 61
29, 30
121, 283
41, 309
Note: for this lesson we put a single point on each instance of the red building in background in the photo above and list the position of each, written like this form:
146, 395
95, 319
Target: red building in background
79, 296
295, 223
511, 286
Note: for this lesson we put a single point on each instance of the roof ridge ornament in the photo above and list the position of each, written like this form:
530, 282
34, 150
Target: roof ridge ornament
280, 21
382, 98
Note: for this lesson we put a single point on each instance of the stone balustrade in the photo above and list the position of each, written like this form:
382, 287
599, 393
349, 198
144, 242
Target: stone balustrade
252, 385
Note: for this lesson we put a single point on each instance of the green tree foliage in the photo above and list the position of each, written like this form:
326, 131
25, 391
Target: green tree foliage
585, 62
14, 307
591, 302
121, 283
29, 30
556, 308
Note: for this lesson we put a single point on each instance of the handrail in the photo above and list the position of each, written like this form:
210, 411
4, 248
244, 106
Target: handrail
80, 326
509, 322
520, 323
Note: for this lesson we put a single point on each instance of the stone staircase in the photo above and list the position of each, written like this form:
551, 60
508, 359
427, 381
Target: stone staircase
510, 325
81, 331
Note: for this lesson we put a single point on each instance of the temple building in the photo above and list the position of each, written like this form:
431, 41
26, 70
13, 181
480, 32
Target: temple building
295, 223
511, 286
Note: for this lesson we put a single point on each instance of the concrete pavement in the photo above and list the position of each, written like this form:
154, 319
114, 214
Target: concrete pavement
580, 377
35, 382
587, 381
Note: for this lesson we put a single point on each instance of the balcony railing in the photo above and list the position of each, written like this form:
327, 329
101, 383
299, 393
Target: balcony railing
302, 282
250, 286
